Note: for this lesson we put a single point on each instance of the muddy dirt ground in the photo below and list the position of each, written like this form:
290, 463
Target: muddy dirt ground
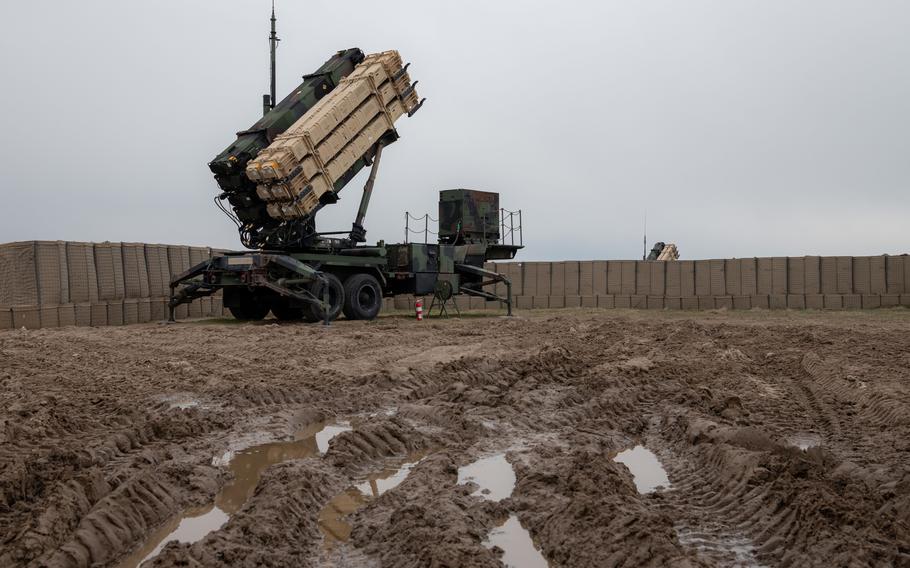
784, 438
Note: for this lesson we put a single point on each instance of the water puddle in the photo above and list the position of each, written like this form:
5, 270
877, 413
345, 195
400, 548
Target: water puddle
804, 441
735, 550
518, 548
387, 412
493, 475
182, 401
495, 479
647, 471
326, 433
332, 517
247, 465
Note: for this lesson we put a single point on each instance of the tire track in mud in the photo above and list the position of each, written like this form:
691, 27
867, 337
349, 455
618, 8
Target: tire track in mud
101, 525
745, 500
732, 498
428, 520
727, 510
279, 524
120, 518
882, 411
846, 409
819, 413
583, 509
563, 373
712, 396
700, 499
352, 451
81, 492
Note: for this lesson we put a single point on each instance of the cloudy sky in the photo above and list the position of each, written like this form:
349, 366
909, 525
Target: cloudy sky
747, 128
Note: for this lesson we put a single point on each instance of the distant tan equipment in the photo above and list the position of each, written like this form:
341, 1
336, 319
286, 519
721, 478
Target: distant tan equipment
664, 251
308, 159
670, 252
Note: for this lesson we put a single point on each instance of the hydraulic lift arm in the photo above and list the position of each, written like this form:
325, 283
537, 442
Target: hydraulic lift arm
358, 233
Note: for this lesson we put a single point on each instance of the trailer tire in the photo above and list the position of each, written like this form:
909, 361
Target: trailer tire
284, 311
362, 297
336, 299
246, 305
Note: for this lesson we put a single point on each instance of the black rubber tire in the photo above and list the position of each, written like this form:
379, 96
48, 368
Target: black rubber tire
284, 311
245, 305
362, 297
336, 299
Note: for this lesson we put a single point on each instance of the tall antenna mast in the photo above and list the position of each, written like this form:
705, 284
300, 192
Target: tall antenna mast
644, 245
268, 101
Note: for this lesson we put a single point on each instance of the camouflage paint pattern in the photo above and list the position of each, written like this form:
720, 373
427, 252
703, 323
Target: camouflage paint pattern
230, 165
468, 216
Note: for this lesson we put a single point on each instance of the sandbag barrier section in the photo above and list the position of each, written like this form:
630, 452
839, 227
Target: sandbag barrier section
57, 283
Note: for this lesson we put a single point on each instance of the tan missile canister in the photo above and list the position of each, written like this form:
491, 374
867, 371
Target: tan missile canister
304, 163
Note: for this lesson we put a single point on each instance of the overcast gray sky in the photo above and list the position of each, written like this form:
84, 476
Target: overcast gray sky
744, 128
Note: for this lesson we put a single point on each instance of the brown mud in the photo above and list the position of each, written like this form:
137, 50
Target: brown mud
784, 439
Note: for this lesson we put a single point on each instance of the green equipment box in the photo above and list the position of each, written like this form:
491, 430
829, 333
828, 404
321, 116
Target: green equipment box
468, 216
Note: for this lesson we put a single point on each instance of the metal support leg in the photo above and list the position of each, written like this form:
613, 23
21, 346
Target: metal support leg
325, 299
509, 296
171, 307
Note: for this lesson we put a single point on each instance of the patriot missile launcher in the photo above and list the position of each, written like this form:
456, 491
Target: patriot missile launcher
279, 173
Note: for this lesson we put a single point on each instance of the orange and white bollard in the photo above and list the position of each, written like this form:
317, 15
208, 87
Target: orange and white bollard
418, 306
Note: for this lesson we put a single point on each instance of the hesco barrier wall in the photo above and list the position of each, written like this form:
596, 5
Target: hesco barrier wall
810, 282
56, 283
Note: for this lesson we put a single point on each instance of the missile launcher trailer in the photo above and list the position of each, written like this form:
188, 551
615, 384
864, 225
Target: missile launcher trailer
278, 174
350, 279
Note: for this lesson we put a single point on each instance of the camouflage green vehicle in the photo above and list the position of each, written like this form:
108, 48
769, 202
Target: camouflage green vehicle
298, 273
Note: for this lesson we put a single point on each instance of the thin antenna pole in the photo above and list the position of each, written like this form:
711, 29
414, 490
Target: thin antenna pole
273, 46
644, 244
